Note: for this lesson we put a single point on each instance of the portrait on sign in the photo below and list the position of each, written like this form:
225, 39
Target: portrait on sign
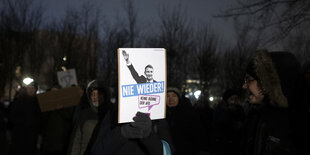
142, 82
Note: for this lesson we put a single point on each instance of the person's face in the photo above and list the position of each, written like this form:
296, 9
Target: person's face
94, 98
31, 90
172, 99
54, 89
149, 73
234, 99
254, 92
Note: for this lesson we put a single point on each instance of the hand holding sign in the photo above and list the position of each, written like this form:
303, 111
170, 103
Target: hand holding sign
140, 128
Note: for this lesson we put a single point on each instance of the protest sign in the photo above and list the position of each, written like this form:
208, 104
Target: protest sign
62, 98
142, 83
67, 78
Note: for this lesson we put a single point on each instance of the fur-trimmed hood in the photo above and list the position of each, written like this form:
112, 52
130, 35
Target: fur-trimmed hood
275, 71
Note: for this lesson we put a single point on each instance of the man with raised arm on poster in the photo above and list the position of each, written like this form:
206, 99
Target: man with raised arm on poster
139, 79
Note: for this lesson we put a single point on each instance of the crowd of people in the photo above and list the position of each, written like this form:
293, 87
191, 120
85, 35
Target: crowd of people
268, 115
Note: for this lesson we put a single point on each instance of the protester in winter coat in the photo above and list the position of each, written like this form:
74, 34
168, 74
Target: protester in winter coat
141, 137
88, 118
205, 114
302, 113
3, 129
183, 123
24, 119
228, 119
57, 129
269, 83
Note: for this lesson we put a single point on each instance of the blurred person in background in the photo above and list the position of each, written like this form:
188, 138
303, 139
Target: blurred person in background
183, 122
24, 120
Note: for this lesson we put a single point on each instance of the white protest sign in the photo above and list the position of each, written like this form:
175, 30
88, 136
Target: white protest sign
67, 78
142, 83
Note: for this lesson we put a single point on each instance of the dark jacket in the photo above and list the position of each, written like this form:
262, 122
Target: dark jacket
267, 131
110, 141
135, 75
227, 126
58, 130
184, 128
269, 125
24, 118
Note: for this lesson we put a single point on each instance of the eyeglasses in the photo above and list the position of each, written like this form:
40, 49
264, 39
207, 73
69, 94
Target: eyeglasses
248, 79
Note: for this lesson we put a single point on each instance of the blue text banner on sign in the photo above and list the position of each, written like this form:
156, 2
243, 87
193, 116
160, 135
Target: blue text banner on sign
144, 88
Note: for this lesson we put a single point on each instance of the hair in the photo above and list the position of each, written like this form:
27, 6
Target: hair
148, 66
266, 68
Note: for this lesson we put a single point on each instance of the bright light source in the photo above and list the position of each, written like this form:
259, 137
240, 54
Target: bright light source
27, 80
197, 94
64, 58
211, 98
63, 68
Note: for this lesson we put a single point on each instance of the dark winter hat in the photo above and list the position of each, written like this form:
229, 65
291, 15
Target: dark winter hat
275, 70
228, 93
95, 85
92, 85
175, 90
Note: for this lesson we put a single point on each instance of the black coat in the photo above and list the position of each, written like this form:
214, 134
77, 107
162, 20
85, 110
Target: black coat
110, 141
267, 131
24, 118
184, 128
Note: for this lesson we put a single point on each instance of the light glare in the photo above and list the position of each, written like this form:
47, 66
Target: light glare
27, 80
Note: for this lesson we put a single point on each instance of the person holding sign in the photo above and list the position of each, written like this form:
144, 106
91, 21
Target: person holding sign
148, 71
141, 137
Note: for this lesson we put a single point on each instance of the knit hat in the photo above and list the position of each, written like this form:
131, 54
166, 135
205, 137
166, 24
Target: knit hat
274, 71
175, 90
228, 93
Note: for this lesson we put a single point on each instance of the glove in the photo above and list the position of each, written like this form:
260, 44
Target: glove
140, 128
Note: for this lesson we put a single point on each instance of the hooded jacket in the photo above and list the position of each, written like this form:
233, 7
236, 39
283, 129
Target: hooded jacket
88, 119
267, 126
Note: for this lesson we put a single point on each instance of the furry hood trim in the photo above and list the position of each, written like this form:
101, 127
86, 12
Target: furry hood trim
267, 73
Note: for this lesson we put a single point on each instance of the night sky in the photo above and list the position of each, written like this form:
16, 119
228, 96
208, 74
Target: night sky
199, 11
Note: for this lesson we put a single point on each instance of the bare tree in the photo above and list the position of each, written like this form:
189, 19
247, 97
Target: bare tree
132, 15
176, 37
206, 55
75, 39
19, 22
299, 44
281, 15
235, 59
115, 36
89, 16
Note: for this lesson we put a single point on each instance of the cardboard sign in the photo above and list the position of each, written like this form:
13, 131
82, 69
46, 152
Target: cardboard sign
142, 83
67, 78
52, 100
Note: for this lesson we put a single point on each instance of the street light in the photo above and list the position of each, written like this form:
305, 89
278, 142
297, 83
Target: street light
27, 80
197, 94
211, 98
